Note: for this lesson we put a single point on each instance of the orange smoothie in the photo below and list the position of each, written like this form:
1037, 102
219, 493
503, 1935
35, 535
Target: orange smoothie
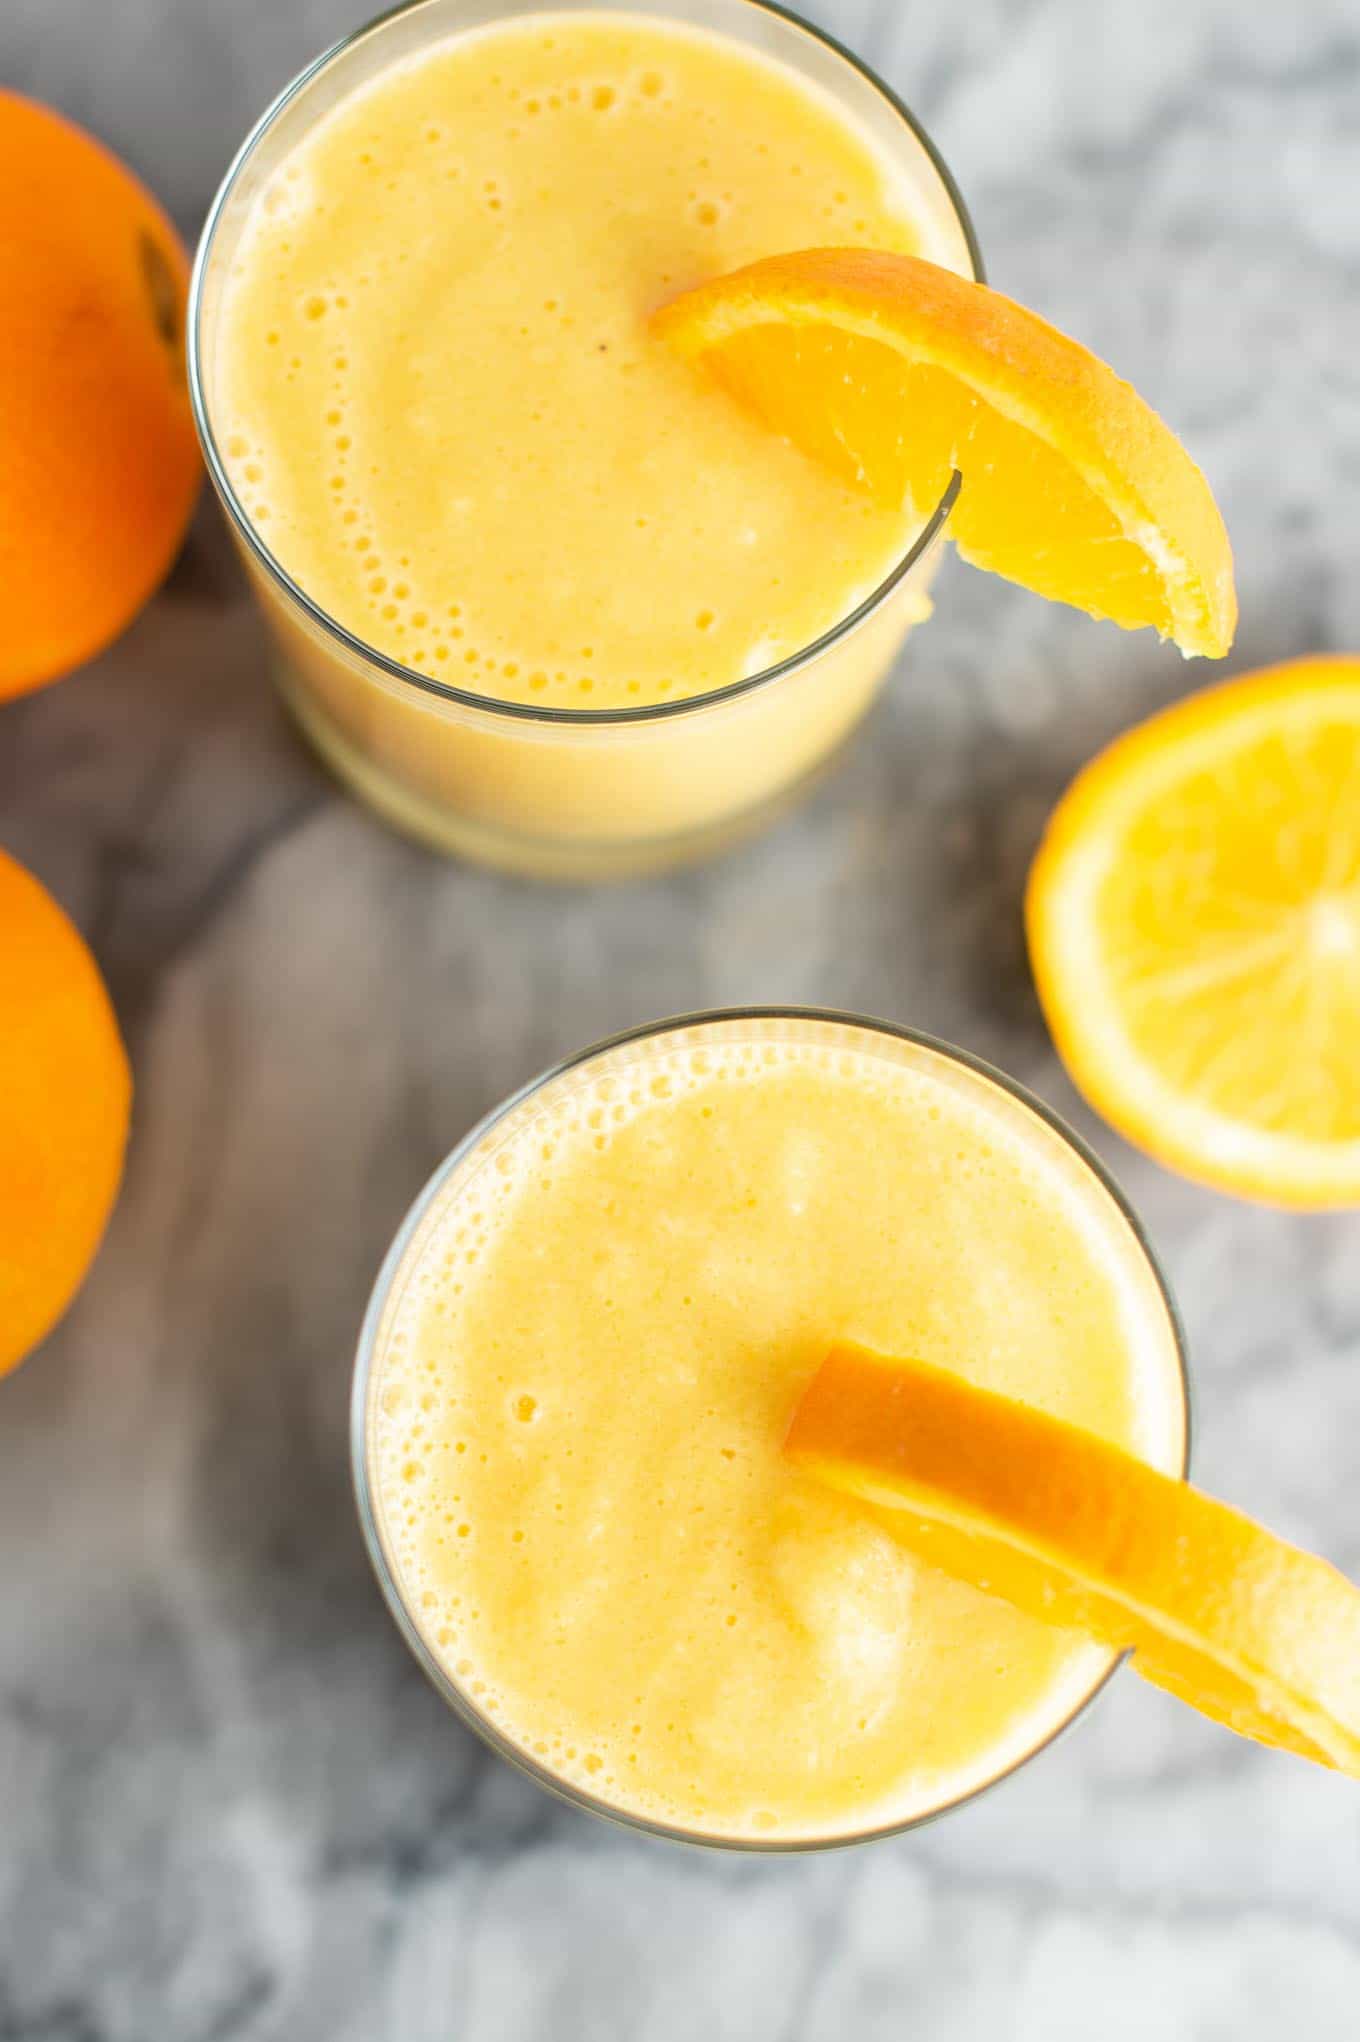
439, 411
579, 1376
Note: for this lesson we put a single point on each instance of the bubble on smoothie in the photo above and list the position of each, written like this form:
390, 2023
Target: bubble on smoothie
289, 196
759, 656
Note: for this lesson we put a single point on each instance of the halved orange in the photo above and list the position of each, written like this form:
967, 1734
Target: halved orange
895, 372
1073, 1530
1194, 926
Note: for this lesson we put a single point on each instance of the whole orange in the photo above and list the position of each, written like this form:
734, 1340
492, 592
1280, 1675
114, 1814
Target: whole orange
65, 1095
99, 468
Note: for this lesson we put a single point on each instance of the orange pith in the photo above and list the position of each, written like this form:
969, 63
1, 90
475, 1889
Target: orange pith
895, 372
1194, 927
1077, 1532
99, 467
65, 1094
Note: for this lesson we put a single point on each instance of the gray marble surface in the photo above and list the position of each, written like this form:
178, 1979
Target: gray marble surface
230, 1810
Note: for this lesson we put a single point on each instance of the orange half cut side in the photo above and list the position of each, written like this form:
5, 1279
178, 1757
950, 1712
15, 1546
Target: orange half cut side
1193, 917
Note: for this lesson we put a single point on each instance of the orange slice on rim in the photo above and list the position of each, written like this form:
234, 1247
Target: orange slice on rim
895, 372
1050, 1517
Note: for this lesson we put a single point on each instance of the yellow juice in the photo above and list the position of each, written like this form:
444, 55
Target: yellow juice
433, 391
580, 1379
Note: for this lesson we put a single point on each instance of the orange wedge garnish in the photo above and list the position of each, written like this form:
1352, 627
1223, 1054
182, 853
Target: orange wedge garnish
1074, 1531
1194, 926
895, 372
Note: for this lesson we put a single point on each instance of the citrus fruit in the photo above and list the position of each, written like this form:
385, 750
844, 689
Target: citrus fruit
65, 1093
895, 372
1071, 1529
1194, 926
99, 467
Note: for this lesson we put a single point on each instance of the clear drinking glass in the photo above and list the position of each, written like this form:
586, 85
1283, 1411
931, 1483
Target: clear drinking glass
569, 793
478, 1151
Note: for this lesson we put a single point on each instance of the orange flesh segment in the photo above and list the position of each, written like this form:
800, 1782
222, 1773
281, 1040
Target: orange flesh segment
1217, 1610
895, 372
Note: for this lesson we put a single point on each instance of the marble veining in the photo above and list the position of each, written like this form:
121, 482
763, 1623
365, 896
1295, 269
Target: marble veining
230, 1810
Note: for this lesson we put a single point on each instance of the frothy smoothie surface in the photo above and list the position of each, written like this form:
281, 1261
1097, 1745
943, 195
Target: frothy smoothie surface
435, 391
584, 1375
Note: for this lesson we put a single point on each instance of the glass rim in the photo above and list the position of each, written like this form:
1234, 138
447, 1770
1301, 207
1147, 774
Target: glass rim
468, 698
385, 1571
